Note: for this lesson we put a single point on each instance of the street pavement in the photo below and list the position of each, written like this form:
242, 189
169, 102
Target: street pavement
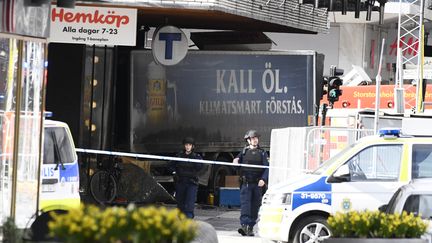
226, 222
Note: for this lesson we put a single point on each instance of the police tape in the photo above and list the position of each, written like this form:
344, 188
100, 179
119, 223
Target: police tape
170, 158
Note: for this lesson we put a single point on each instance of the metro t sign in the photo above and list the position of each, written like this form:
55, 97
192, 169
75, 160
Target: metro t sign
169, 45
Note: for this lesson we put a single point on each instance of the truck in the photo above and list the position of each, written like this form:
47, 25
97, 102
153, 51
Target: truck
216, 96
135, 105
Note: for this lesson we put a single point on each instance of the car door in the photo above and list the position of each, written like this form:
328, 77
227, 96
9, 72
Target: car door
421, 204
373, 178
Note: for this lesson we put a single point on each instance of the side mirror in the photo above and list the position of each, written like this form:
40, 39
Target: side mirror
383, 208
342, 174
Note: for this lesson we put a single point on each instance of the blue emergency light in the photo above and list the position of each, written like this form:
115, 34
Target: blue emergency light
48, 114
389, 132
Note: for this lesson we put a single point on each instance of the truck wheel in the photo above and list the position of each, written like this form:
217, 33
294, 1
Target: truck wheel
219, 177
312, 229
218, 180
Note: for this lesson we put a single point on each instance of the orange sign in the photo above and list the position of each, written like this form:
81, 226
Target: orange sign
364, 97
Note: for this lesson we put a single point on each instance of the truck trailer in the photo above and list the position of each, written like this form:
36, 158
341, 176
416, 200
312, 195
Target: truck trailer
213, 96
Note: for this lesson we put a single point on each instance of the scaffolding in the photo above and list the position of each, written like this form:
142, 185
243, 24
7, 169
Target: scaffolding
410, 27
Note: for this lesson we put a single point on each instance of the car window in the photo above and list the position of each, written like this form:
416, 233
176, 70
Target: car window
380, 162
419, 205
324, 166
57, 146
422, 161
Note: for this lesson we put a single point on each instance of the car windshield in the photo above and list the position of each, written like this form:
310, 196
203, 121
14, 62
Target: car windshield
326, 164
391, 206
57, 146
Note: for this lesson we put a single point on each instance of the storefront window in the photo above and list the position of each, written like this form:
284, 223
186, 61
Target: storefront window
29, 98
30, 122
8, 79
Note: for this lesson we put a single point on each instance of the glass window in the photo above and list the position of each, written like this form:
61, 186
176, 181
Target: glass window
8, 79
381, 162
419, 205
30, 83
422, 161
57, 146
323, 167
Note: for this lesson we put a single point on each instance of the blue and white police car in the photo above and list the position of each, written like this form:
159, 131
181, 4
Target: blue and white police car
362, 176
59, 171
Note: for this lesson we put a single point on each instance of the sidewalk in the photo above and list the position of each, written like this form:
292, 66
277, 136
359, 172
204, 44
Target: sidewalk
234, 237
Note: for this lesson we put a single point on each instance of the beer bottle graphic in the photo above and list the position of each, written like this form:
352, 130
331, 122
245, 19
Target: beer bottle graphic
156, 94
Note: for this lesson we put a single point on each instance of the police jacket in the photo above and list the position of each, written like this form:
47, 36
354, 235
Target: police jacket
187, 169
255, 156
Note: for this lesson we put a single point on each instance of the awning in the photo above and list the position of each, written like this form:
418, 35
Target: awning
246, 15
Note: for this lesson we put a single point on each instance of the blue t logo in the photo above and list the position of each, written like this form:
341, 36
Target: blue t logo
169, 38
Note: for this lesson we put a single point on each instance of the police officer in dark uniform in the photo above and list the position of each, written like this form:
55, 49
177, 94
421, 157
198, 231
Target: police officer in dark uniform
252, 181
186, 178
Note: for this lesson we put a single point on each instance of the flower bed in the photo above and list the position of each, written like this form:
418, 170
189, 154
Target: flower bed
375, 224
118, 224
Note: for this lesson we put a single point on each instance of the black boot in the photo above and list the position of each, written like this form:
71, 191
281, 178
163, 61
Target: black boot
249, 231
243, 230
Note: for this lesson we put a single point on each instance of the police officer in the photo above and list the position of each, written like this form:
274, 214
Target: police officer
186, 178
252, 181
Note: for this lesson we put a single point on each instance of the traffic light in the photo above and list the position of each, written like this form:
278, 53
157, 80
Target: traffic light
334, 90
334, 83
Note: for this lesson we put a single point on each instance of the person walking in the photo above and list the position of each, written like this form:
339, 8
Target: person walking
252, 181
185, 176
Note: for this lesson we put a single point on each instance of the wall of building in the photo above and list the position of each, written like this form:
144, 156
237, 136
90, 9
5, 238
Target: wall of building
326, 44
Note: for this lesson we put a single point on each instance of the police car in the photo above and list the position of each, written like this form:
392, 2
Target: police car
59, 172
362, 176
59, 190
416, 198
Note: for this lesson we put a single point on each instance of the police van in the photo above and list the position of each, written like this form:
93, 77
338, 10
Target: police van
59, 185
59, 171
362, 176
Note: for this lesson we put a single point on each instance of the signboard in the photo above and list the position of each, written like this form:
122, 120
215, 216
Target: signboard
411, 71
413, 74
363, 97
169, 45
93, 25
217, 96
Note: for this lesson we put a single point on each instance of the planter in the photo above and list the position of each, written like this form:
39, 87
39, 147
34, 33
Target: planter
374, 240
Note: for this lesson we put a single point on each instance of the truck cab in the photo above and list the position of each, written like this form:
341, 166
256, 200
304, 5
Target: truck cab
362, 176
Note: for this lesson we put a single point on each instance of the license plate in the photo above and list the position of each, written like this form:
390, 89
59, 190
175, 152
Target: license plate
48, 188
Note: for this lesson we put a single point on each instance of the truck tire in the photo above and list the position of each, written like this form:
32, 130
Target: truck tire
218, 179
312, 229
